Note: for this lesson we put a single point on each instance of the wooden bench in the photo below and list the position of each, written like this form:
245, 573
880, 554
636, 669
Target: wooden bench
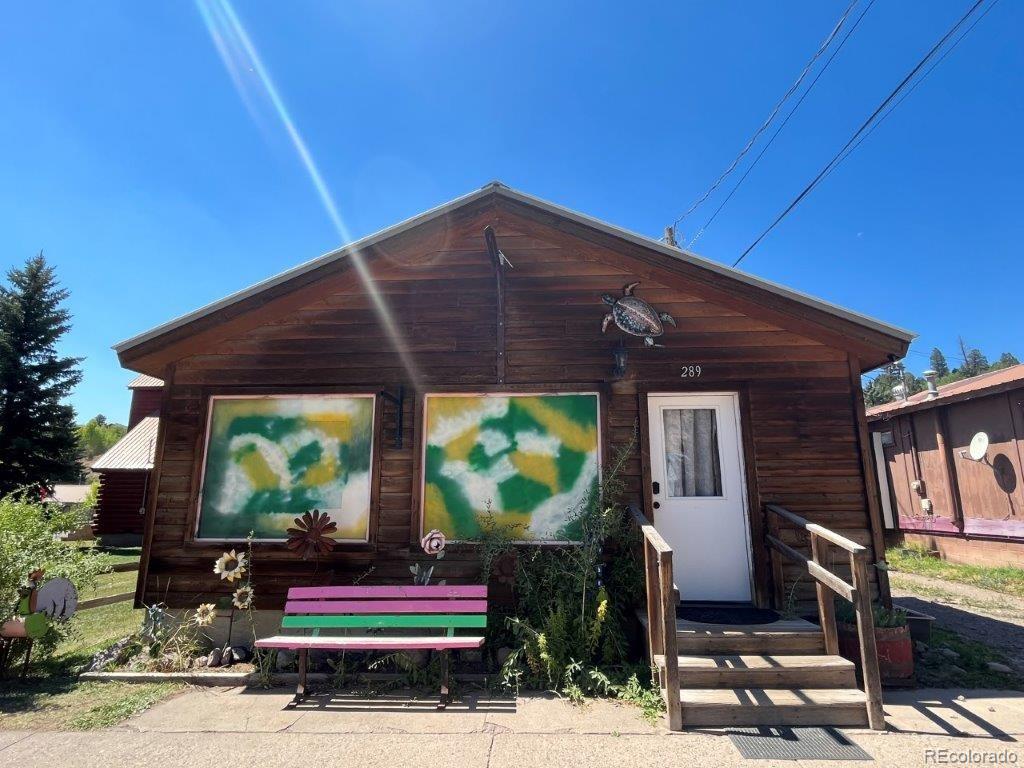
312, 609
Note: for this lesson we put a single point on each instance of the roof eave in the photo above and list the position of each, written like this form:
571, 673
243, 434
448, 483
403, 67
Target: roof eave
901, 335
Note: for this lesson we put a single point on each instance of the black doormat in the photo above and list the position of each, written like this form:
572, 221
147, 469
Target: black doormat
726, 614
772, 743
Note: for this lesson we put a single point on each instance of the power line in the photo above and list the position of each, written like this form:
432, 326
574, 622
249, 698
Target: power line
910, 90
800, 101
771, 116
857, 134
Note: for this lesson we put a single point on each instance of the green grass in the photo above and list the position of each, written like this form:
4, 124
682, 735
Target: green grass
52, 696
116, 554
112, 584
970, 670
915, 559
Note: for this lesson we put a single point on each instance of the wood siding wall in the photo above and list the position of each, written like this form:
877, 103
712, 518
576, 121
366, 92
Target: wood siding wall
974, 498
800, 425
121, 496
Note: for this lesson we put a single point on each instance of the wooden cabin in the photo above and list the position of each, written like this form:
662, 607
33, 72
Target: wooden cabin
465, 359
934, 492
126, 468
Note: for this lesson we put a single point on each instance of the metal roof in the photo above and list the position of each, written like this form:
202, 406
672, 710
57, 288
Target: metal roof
956, 390
134, 451
497, 188
69, 494
145, 381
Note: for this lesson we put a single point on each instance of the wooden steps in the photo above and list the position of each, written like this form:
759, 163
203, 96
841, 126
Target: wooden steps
794, 636
773, 706
764, 671
763, 674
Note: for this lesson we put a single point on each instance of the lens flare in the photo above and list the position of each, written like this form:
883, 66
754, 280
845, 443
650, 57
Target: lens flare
240, 57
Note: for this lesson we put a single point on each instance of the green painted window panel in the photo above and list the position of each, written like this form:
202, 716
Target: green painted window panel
386, 620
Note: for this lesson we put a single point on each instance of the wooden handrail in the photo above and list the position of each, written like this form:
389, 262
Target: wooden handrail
858, 593
661, 613
831, 536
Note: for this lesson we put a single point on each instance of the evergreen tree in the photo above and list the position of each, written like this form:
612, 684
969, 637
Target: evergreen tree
38, 442
878, 391
937, 360
974, 363
1005, 360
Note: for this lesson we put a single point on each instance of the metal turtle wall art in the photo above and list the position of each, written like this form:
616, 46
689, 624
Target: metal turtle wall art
635, 316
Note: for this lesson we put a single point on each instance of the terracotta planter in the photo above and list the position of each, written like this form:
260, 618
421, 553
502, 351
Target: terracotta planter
895, 650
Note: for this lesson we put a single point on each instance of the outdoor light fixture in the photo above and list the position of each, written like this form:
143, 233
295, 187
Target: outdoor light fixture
621, 356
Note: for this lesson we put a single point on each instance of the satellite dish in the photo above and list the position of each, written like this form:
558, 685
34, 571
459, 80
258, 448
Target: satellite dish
57, 598
979, 446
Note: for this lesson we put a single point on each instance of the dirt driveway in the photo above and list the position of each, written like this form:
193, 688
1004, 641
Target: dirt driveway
992, 618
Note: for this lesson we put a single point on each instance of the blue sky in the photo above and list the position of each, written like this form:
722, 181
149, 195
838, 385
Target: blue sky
128, 155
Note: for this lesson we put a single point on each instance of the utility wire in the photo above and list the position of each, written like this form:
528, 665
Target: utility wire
771, 115
917, 82
857, 134
778, 130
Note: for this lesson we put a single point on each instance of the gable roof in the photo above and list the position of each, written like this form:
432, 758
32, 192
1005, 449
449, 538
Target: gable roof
134, 451
500, 190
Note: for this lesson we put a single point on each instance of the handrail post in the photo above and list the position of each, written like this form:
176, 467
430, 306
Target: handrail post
654, 624
866, 633
778, 574
673, 705
826, 603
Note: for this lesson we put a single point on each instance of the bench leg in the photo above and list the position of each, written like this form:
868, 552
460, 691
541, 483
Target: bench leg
300, 689
444, 680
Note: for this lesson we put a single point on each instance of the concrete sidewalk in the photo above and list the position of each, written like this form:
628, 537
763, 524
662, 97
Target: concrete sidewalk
232, 728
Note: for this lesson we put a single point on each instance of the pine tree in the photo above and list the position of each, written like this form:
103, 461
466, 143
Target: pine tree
1005, 360
974, 363
38, 442
937, 360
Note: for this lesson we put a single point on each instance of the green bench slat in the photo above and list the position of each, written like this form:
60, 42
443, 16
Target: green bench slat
385, 620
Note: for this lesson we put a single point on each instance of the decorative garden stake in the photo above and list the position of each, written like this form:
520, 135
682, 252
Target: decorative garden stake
433, 544
311, 534
230, 565
39, 605
635, 316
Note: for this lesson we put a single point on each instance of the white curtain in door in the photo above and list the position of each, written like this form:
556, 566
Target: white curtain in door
691, 452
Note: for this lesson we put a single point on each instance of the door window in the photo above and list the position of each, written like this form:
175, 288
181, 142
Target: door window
692, 463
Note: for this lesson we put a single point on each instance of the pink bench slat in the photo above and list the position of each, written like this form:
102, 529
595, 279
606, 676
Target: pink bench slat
371, 643
385, 606
356, 593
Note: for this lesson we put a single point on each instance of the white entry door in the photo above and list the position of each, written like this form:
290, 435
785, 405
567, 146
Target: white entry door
699, 493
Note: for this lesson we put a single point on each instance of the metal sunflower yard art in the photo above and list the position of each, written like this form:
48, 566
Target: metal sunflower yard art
311, 534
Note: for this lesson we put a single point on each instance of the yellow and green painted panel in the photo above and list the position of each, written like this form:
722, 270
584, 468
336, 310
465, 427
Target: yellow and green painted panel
533, 460
269, 459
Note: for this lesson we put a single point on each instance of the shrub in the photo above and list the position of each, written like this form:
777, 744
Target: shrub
884, 617
28, 541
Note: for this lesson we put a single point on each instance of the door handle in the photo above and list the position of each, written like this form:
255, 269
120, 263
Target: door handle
656, 487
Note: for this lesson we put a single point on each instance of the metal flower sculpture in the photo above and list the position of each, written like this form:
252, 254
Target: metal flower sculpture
311, 534
433, 543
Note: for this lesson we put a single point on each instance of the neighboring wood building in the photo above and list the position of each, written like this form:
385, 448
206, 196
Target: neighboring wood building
933, 492
126, 468
755, 397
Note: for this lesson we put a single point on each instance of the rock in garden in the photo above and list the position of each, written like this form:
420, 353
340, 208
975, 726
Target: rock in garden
202, 661
953, 669
949, 653
239, 653
227, 657
284, 660
502, 656
214, 659
920, 647
995, 666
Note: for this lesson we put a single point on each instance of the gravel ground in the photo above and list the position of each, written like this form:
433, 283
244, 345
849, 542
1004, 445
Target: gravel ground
992, 618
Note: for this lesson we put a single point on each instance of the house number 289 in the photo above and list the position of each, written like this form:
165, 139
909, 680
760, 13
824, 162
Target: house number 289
691, 371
